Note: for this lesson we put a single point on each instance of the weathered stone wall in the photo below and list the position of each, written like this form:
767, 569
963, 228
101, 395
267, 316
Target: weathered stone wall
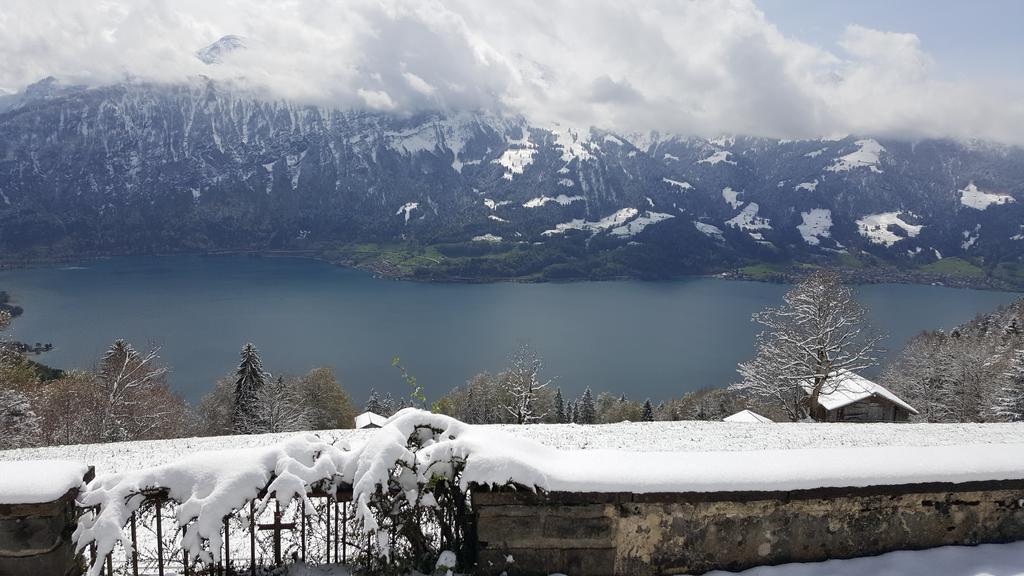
600, 534
35, 539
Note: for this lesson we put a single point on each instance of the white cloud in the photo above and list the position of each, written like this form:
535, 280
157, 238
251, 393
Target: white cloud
704, 67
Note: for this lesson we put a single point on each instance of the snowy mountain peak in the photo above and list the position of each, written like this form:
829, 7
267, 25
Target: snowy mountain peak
215, 53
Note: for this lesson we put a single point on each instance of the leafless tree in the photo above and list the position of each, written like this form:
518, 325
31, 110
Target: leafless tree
818, 334
279, 407
523, 382
19, 424
1009, 399
136, 397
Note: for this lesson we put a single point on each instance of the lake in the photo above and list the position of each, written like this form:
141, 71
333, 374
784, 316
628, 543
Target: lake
646, 339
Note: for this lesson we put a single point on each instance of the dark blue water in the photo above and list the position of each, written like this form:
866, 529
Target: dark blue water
645, 339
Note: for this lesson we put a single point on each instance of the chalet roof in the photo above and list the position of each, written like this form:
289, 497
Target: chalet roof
370, 420
853, 388
748, 416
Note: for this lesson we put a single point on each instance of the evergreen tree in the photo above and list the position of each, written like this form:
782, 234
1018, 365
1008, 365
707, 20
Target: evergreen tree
572, 415
387, 405
1009, 399
560, 416
373, 404
250, 379
648, 413
586, 412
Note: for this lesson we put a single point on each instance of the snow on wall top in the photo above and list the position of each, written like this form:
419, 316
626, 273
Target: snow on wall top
38, 481
210, 485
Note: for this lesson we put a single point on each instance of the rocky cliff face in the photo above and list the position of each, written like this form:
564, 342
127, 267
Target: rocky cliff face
139, 167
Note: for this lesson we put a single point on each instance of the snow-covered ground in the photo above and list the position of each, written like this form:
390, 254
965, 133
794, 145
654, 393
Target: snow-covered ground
685, 436
867, 155
973, 197
877, 228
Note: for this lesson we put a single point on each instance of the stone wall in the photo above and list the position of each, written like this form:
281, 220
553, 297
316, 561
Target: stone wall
596, 534
35, 539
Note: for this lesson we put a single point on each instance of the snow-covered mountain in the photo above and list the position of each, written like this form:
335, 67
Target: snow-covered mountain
140, 167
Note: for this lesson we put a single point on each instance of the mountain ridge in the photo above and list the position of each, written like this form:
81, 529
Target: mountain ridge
203, 166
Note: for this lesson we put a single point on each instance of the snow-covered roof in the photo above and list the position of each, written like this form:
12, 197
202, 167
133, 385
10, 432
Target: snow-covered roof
38, 481
852, 388
370, 420
748, 416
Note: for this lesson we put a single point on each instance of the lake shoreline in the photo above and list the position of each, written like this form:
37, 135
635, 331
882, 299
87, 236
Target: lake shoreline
657, 339
787, 274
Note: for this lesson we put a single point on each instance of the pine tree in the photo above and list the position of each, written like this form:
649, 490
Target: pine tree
1009, 399
387, 405
250, 379
573, 415
586, 412
648, 413
373, 404
560, 416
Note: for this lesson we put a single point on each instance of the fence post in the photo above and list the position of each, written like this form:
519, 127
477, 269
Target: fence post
327, 513
226, 563
344, 532
252, 538
135, 549
302, 518
159, 541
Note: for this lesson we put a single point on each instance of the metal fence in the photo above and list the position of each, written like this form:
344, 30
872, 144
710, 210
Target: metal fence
253, 540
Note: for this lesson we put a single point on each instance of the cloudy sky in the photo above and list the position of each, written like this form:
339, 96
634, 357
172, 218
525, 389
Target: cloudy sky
781, 68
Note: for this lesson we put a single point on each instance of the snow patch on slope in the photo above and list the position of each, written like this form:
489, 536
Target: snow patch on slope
720, 157
972, 197
817, 224
407, 208
809, 186
678, 184
560, 199
614, 220
749, 220
731, 197
866, 156
637, 226
877, 228
710, 231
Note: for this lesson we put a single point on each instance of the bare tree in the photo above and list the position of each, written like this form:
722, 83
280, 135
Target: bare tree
279, 407
523, 382
19, 424
1009, 399
135, 394
820, 333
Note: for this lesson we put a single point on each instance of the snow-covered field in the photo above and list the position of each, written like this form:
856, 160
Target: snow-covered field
685, 436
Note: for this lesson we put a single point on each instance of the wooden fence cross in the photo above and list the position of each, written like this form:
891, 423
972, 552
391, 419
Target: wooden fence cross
277, 526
